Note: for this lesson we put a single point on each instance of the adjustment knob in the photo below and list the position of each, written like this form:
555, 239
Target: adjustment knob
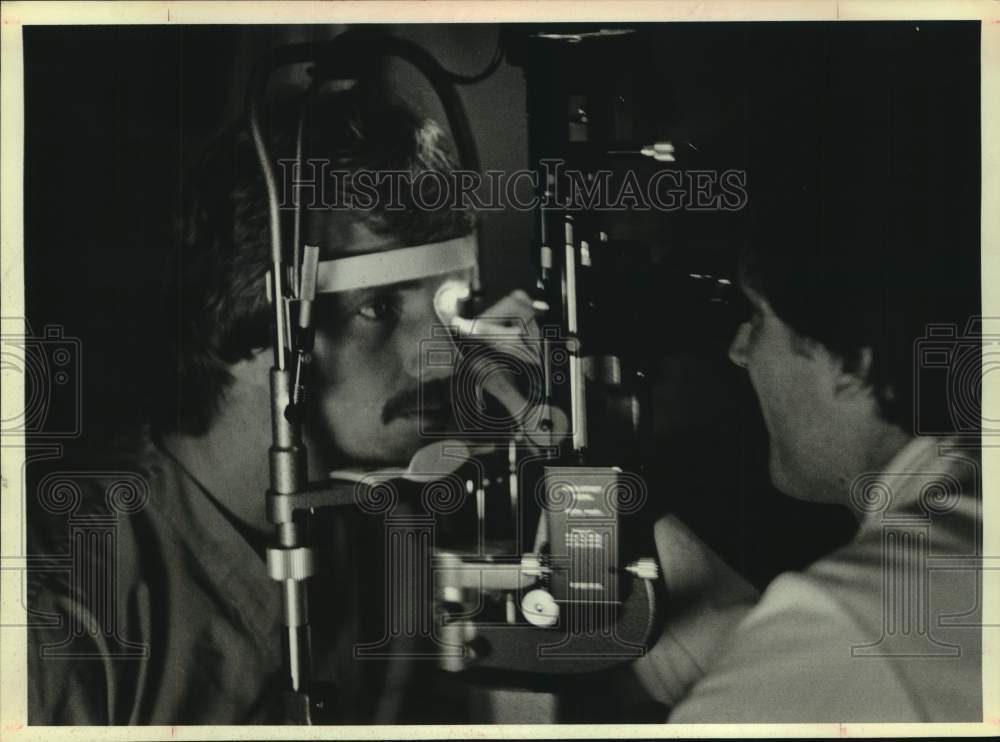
540, 608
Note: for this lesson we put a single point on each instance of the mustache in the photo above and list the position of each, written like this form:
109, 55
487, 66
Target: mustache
433, 394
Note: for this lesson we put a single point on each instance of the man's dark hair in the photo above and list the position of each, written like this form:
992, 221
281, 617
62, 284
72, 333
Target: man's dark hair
862, 146
217, 312
847, 266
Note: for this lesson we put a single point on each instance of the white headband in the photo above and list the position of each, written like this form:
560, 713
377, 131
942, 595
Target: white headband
395, 266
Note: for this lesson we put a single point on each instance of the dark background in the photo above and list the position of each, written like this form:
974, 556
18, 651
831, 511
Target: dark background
113, 116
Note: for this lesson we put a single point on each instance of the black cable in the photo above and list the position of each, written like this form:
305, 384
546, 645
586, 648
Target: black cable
491, 67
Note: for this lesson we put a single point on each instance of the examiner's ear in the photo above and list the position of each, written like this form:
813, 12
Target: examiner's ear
852, 378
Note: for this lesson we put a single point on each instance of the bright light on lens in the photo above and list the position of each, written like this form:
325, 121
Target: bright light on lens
448, 297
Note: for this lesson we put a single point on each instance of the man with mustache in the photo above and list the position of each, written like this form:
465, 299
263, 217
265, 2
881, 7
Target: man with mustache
192, 591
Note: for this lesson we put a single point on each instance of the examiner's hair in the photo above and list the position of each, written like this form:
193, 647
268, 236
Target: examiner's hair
853, 268
863, 179
216, 309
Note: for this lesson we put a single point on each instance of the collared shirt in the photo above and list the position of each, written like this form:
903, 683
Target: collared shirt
886, 629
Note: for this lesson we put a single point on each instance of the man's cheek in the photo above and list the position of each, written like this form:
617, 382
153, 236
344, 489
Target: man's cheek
762, 387
342, 360
783, 462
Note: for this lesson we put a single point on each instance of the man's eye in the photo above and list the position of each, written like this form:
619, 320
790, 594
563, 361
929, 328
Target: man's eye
378, 310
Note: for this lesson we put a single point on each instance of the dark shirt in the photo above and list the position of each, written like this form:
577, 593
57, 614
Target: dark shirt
151, 607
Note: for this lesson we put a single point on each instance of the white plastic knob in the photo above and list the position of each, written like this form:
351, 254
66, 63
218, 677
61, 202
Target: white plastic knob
540, 608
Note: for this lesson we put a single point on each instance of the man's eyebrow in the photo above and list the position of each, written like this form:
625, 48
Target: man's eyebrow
401, 286
355, 295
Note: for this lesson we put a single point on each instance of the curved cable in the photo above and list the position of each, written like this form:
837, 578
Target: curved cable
259, 80
300, 164
351, 52
491, 67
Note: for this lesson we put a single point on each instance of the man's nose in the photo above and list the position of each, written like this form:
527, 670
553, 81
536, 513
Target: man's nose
738, 348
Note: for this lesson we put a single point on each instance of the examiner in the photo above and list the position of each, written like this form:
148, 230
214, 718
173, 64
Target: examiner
887, 628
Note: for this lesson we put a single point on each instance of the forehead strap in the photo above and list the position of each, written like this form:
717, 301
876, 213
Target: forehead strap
395, 266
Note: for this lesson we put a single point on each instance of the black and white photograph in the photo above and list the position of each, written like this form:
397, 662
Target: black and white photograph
363, 371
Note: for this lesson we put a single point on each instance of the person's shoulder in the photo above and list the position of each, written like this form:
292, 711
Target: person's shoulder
790, 660
93, 514
798, 607
929, 507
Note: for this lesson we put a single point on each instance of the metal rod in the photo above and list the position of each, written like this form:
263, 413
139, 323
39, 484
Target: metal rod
274, 221
347, 54
577, 391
